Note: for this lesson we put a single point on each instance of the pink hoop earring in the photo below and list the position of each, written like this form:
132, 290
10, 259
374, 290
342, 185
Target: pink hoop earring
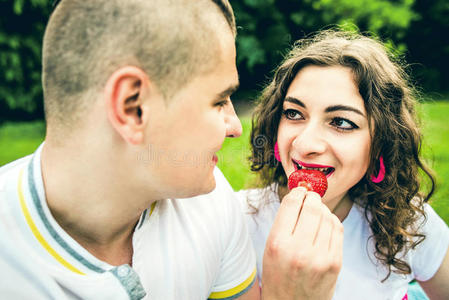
381, 175
276, 152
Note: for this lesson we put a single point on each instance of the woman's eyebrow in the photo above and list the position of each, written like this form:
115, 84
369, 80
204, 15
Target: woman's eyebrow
343, 107
295, 101
328, 109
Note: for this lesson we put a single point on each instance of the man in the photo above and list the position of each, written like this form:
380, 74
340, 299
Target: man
137, 103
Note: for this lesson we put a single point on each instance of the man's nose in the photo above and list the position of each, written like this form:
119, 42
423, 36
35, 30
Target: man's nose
233, 125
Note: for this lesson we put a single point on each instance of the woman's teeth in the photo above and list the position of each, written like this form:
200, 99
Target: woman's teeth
324, 170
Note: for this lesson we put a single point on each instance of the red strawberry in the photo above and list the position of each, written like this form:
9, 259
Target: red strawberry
312, 180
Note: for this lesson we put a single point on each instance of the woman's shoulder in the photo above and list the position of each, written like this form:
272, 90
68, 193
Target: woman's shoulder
256, 199
432, 223
429, 254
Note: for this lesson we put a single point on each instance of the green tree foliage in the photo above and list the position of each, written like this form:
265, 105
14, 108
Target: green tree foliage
21, 30
416, 28
428, 44
268, 27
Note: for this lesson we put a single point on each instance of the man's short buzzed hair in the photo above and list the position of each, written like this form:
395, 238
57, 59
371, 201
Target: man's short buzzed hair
86, 41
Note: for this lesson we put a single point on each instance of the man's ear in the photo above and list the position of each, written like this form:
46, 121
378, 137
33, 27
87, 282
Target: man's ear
125, 93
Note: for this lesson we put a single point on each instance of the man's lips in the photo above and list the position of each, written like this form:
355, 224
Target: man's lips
214, 154
327, 170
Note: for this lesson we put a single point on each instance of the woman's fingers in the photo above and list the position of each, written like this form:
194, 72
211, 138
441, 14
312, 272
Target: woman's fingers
309, 220
336, 244
287, 215
322, 242
302, 258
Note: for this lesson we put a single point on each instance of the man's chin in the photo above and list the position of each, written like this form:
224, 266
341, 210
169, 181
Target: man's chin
206, 188
211, 187
195, 185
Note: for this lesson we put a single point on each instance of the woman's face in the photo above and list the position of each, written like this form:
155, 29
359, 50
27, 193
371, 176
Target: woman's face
324, 125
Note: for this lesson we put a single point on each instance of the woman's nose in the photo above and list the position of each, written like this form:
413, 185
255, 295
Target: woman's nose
310, 140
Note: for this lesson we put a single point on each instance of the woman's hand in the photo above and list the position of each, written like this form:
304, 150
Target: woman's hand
304, 250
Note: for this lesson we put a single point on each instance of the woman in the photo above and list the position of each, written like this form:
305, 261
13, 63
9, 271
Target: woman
340, 104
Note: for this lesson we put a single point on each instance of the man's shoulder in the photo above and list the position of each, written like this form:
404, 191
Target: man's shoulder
14, 164
11, 170
21, 277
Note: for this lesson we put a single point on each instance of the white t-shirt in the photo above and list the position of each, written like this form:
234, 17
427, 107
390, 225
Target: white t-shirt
195, 248
361, 273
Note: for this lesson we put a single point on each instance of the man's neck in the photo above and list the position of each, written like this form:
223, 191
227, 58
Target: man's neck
90, 205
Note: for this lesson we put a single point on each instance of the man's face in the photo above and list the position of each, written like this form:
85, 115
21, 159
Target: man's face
185, 133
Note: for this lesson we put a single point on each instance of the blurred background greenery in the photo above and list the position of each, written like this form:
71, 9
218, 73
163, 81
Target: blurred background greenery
417, 29
414, 29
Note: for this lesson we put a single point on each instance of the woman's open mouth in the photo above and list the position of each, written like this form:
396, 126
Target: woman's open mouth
327, 170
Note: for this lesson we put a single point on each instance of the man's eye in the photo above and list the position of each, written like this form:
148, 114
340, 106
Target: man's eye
292, 114
343, 124
222, 103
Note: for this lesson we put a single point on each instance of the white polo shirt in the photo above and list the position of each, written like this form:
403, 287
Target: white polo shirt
197, 248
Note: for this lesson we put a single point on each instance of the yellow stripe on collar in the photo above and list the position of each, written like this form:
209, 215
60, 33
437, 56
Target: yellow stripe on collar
36, 232
234, 291
153, 205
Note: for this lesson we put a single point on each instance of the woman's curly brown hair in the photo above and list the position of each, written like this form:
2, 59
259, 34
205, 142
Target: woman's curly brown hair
393, 207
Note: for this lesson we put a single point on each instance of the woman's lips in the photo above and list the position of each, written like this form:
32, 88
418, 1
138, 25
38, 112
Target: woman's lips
327, 170
308, 165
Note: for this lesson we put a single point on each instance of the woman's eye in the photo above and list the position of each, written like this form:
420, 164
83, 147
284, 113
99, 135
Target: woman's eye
292, 114
343, 124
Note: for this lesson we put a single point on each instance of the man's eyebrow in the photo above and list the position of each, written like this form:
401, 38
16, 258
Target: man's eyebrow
343, 107
228, 92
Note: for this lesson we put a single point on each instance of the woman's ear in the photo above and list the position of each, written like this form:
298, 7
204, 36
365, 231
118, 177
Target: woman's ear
125, 93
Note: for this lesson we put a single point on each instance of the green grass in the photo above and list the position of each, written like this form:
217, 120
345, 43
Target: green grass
20, 139
436, 150
232, 159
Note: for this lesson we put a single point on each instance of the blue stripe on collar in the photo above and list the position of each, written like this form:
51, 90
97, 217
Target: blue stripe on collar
37, 203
